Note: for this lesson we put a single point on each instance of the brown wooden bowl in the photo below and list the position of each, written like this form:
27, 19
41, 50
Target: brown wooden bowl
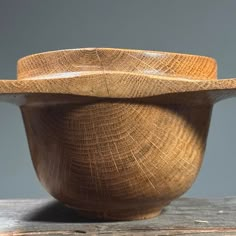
117, 134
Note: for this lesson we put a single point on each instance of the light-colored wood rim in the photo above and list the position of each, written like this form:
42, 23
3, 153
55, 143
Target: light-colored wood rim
104, 85
116, 60
118, 73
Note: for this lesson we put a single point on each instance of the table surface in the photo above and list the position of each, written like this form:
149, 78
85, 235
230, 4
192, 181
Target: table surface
185, 216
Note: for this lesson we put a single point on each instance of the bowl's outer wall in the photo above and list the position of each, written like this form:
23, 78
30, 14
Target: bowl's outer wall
115, 158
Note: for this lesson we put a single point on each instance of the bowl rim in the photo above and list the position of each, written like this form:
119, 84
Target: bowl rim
117, 49
106, 83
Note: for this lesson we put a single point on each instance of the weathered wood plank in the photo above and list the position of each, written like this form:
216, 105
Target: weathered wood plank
185, 216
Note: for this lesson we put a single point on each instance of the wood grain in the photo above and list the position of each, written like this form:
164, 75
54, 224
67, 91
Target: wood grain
116, 60
185, 216
117, 160
117, 134
116, 73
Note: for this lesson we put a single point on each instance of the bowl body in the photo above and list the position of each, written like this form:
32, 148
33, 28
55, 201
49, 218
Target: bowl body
116, 159
116, 149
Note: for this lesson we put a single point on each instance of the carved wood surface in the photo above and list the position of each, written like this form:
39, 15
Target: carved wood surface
118, 73
185, 216
115, 133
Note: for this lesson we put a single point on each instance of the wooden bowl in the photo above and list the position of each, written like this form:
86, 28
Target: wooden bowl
117, 134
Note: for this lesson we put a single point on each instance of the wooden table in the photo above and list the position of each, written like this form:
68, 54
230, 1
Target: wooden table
185, 216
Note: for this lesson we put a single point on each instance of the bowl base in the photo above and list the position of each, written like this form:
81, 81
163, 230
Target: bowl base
121, 215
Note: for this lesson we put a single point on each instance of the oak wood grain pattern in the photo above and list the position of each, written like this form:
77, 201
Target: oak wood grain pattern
121, 85
117, 60
115, 159
117, 73
117, 134
185, 216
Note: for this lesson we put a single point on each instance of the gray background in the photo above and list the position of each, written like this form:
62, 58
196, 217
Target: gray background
206, 27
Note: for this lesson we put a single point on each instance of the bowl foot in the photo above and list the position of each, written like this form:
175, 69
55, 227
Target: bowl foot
122, 215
